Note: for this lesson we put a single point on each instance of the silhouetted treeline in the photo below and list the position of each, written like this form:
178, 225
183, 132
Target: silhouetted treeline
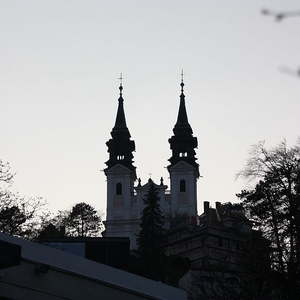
273, 204
30, 218
269, 265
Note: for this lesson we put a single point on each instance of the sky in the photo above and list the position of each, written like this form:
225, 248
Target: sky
60, 62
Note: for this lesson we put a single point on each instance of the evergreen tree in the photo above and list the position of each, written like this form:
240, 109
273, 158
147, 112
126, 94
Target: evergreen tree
151, 235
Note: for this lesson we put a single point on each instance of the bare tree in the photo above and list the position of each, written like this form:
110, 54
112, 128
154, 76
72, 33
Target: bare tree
82, 220
274, 206
19, 215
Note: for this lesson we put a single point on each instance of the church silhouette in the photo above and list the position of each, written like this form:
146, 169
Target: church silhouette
125, 199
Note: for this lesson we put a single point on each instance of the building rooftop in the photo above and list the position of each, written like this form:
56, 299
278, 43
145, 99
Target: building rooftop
66, 262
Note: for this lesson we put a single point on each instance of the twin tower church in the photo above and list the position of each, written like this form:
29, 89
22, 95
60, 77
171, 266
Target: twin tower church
125, 198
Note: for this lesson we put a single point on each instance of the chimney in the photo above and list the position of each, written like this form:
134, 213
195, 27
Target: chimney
218, 211
218, 206
206, 207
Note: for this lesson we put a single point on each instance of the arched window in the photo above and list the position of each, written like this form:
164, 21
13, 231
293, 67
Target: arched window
119, 188
182, 186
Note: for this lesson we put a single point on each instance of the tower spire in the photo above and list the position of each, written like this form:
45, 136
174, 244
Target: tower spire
183, 143
120, 123
182, 119
120, 146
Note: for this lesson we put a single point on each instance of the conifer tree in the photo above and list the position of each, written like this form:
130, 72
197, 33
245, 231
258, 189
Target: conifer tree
151, 235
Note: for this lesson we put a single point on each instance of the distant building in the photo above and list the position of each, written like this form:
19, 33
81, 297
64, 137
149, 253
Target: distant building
125, 198
219, 248
220, 236
216, 243
33, 271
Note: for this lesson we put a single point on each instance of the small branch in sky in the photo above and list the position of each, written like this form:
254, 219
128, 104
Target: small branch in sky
290, 71
279, 16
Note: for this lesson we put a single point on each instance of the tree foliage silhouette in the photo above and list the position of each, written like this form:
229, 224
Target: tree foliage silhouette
151, 235
274, 206
83, 220
19, 216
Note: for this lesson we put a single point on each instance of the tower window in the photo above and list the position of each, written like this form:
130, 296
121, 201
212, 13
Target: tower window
120, 157
119, 188
182, 186
183, 154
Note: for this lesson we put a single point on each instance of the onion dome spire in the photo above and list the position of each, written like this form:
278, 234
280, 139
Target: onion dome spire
120, 146
183, 143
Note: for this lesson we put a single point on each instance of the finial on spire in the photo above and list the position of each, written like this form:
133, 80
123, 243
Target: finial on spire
182, 84
121, 83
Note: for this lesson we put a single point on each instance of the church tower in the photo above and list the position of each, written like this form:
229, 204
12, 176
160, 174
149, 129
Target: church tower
183, 168
121, 174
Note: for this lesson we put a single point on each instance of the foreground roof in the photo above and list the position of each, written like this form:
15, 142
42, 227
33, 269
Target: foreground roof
101, 273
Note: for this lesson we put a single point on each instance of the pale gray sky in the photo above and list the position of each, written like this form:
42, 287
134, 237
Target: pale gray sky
60, 61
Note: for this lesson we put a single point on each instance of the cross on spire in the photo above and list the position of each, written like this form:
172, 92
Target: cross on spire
182, 84
121, 83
